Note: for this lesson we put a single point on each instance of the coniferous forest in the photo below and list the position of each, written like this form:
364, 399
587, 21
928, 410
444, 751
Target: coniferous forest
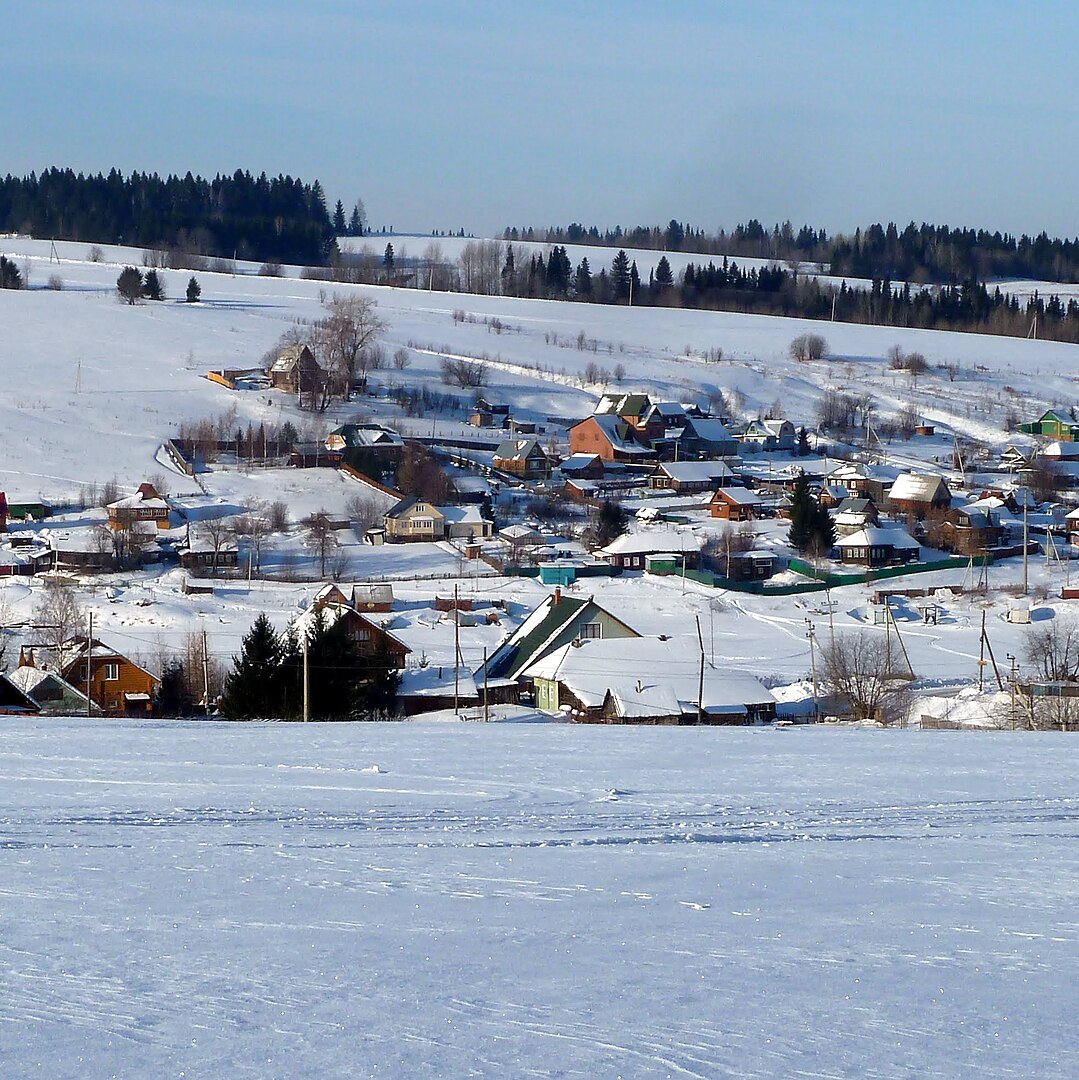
921, 254
278, 219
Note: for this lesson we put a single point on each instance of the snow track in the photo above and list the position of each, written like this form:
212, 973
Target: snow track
256, 901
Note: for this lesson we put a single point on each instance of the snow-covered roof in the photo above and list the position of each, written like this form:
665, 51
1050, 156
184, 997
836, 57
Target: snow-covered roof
653, 541
616, 432
739, 496
878, 536
690, 472
647, 676
517, 449
918, 487
461, 515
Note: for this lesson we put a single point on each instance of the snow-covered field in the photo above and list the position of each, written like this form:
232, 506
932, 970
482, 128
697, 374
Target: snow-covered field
451, 900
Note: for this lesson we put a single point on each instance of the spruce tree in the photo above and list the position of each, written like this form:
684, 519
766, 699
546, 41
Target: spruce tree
339, 218
664, 277
620, 275
10, 278
254, 687
803, 510
194, 291
152, 287
129, 285
387, 258
582, 281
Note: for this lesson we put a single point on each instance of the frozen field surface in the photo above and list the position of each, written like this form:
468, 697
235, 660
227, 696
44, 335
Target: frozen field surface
452, 900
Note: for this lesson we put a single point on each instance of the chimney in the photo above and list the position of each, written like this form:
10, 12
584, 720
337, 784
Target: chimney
557, 597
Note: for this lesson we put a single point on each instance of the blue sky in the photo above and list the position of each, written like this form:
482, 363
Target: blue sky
481, 114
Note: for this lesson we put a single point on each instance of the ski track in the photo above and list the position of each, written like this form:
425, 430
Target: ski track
256, 901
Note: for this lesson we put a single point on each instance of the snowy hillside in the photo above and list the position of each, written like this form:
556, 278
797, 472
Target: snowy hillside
92, 387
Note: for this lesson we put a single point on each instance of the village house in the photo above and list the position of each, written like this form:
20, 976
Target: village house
385, 444
1053, 424
645, 680
876, 546
582, 467
970, 530
145, 505
863, 481
753, 565
854, 514
557, 621
116, 684
768, 435
370, 639
14, 701
610, 438
203, 550
523, 458
631, 550
690, 477
918, 494
53, 694
296, 371
735, 504
414, 519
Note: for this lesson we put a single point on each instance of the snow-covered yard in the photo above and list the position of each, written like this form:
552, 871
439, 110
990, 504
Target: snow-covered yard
204, 900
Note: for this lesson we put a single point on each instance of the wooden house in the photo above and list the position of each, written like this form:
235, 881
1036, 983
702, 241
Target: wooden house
1053, 424
631, 550
414, 519
644, 680
523, 458
370, 638
383, 443
296, 371
145, 505
690, 477
735, 504
875, 546
918, 494
970, 530
117, 685
557, 621
14, 701
52, 693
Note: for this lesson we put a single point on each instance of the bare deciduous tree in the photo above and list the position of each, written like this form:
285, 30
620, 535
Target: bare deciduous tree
346, 339
859, 670
320, 537
466, 374
58, 615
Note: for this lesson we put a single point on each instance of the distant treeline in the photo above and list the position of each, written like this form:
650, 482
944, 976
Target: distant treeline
271, 219
920, 253
776, 290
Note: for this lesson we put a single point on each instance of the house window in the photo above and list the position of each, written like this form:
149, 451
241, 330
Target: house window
112, 672
423, 523
592, 630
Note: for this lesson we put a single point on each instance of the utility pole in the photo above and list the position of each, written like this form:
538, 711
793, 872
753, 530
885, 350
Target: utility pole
306, 687
205, 675
1011, 660
456, 653
981, 656
89, 655
811, 633
700, 681
1026, 538
486, 713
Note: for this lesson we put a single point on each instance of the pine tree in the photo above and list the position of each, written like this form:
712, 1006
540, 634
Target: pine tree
339, 218
254, 687
10, 278
803, 511
152, 288
387, 258
620, 275
611, 522
194, 291
582, 281
173, 696
664, 277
